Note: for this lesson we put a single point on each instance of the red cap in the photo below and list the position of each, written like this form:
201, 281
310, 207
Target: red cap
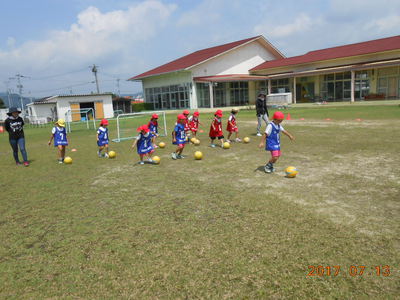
196, 114
278, 115
104, 122
185, 112
154, 116
218, 113
181, 117
143, 128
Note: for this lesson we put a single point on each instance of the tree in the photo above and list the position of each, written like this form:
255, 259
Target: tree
2, 103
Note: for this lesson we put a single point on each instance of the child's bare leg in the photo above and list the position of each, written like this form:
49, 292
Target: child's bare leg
59, 152
229, 136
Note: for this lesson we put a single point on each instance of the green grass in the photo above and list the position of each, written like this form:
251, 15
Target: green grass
216, 228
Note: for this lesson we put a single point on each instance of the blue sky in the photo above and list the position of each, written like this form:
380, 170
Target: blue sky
54, 42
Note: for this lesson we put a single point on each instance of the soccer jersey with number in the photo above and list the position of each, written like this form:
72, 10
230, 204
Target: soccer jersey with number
273, 137
153, 126
60, 136
144, 144
180, 134
216, 128
103, 136
231, 126
193, 123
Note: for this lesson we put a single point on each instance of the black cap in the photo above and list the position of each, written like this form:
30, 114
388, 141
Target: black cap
13, 109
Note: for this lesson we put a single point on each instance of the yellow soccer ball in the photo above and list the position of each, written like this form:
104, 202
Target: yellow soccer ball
246, 140
226, 145
197, 142
198, 155
112, 154
291, 172
156, 159
161, 144
67, 160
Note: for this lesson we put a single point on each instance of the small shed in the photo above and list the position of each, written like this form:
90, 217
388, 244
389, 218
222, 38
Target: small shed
51, 108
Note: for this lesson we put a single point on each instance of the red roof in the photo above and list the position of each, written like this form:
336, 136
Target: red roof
193, 59
380, 45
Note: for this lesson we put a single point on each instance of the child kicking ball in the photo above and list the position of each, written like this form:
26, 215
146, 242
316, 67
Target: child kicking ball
144, 144
102, 138
271, 138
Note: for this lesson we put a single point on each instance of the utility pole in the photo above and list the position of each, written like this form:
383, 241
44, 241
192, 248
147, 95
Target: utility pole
118, 90
8, 92
20, 87
94, 70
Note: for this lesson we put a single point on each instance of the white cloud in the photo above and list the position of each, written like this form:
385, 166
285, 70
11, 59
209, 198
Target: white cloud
95, 34
301, 23
386, 24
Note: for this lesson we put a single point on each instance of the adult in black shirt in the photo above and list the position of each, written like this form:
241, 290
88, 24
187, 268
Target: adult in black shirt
15, 127
262, 111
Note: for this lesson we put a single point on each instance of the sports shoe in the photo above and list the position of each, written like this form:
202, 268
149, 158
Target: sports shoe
212, 146
26, 164
99, 154
180, 156
268, 168
259, 134
173, 155
141, 162
150, 160
229, 141
238, 140
60, 161
106, 155
18, 163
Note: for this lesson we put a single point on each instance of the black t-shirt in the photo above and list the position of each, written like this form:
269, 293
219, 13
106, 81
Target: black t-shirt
14, 126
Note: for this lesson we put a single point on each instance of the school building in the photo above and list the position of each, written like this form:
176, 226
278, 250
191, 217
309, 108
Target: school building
232, 74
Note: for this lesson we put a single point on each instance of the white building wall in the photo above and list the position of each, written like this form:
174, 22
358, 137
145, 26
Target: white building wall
167, 79
238, 61
41, 113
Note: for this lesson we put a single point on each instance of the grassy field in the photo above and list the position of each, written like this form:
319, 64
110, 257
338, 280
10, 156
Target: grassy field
219, 228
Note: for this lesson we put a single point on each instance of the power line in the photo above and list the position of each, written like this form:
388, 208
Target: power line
58, 75
62, 88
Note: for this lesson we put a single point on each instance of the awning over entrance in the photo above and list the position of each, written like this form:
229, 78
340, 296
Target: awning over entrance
337, 69
230, 78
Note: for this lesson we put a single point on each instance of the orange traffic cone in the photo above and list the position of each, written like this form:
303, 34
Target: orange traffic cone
288, 117
1, 129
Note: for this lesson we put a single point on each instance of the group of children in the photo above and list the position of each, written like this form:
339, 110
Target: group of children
185, 126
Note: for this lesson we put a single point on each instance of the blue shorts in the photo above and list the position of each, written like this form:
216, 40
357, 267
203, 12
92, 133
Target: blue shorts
102, 143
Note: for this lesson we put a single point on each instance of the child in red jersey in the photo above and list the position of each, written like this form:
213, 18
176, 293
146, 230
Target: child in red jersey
194, 123
186, 122
216, 129
232, 126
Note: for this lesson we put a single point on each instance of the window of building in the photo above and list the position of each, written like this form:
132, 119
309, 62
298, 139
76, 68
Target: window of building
203, 94
169, 97
280, 86
239, 93
389, 82
336, 86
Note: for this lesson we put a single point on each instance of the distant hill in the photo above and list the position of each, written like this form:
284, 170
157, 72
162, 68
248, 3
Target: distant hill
15, 99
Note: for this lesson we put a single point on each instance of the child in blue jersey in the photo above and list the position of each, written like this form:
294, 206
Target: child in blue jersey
179, 137
102, 138
272, 138
59, 134
144, 144
153, 126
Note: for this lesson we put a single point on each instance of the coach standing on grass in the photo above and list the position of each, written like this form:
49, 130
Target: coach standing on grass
14, 125
262, 111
